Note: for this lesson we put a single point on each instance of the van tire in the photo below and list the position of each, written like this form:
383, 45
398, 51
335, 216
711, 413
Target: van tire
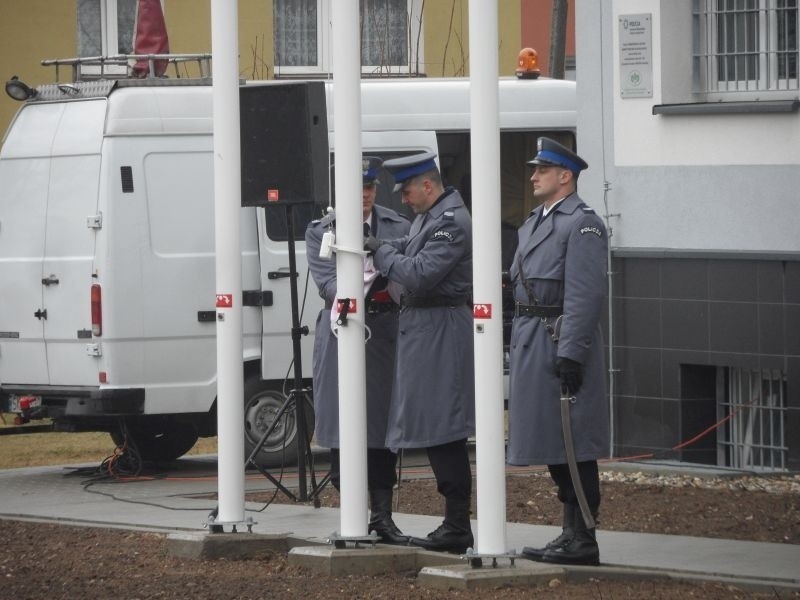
262, 402
158, 440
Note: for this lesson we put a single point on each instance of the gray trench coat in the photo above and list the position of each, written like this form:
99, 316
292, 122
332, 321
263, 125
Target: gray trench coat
434, 396
380, 350
562, 262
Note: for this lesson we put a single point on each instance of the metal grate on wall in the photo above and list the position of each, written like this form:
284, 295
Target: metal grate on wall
745, 45
754, 404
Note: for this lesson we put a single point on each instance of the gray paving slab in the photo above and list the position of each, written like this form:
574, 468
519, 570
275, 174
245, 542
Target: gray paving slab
176, 503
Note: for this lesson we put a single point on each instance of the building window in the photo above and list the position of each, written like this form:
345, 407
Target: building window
391, 40
105, 28
753, 408
745, 45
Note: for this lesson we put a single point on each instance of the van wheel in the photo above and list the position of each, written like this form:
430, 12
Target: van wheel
159, 440
261, 406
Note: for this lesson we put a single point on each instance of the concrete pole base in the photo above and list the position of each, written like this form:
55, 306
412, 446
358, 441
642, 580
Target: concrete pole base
464, 577
328, 560
230, 546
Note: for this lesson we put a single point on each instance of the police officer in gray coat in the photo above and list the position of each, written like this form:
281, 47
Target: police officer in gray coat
381, 317
433, 404
559, 283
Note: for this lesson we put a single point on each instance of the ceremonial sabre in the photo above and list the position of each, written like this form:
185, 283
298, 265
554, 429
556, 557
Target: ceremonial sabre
566, 426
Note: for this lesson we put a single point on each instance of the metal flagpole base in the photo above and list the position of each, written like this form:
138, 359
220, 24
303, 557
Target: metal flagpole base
340, 541
215, 526
476, 560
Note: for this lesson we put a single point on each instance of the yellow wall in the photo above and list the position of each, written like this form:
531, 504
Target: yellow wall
448, 55
37, 29
31, 31
189, 29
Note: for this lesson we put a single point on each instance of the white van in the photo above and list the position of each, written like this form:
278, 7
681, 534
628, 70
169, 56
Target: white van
107, 248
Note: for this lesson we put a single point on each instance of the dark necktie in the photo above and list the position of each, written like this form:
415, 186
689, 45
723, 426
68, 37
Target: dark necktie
538, 220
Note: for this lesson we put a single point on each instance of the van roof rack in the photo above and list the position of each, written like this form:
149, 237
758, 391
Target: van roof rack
120, 66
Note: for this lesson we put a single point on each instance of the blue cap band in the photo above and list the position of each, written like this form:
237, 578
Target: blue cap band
414, 170
559, 159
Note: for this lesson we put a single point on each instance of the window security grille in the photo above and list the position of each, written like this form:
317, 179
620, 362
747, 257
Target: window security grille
745, 45
753, 435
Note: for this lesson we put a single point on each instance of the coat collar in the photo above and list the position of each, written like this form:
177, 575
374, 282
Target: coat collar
386, 214
449, 199
568, 206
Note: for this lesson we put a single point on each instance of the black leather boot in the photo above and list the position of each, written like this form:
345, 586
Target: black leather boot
454, 534
380, 518
567, 531
582, 549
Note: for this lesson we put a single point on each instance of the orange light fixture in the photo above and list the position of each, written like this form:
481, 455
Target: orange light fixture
528, 64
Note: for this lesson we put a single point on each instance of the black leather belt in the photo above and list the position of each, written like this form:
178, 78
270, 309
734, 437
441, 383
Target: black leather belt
537, 310
433, 301
381, 307
373, 307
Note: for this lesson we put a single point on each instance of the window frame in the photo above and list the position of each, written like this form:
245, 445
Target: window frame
109, 39
708, 54
325, 52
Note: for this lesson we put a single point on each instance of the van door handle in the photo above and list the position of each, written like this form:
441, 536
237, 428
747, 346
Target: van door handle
283, 272
41, 314
52, 280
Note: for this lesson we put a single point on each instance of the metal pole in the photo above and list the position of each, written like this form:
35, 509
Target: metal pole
227, 203
350, 267
558, 38
487, 285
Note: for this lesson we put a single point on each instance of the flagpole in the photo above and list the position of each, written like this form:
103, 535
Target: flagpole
350, 268
227, 208
487, 285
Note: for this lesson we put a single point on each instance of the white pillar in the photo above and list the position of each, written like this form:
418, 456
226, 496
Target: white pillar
227, 207
486, 264
350, 267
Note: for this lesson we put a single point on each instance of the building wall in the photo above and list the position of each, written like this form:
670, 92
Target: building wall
678, 319
706, 256
33, 30
535, 25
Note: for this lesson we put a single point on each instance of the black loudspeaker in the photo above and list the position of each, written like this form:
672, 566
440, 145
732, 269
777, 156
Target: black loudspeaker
284, 142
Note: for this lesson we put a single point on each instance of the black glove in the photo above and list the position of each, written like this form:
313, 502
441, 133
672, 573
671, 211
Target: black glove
571, 374
371, 244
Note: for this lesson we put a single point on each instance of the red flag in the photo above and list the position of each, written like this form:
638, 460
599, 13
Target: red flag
150, 37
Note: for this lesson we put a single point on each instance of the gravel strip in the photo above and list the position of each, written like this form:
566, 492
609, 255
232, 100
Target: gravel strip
773, 484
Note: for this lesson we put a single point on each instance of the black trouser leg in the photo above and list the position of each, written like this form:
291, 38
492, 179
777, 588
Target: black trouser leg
381, 469
335, 473
590, 480
381, 477
565, 537
582, 548
381, 464
450, 464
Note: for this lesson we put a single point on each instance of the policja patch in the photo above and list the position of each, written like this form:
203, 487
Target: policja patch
594, 230
442, 234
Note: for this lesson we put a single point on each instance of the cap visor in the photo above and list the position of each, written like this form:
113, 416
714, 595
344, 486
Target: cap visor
536, 162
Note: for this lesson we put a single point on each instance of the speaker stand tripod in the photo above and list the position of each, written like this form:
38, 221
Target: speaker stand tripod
296, 398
